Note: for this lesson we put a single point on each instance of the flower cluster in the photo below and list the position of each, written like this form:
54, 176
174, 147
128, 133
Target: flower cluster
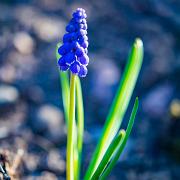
75, 43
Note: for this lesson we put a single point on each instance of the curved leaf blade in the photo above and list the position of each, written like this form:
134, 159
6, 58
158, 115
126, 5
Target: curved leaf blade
119, 105
109, 153
122, 145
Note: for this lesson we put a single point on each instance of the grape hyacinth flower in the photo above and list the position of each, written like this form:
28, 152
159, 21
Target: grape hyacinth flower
75, 43
72, 55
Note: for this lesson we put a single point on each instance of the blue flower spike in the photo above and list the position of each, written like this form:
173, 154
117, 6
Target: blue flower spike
75, 43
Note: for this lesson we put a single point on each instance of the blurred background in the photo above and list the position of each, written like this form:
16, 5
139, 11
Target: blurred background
31, 113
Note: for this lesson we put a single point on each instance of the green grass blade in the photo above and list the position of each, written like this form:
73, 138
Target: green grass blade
119, 105
122, 145
64, 81
80, 122
108, 155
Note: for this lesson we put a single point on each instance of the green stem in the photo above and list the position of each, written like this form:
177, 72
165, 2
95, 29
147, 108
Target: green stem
70, 131
80, 123
76, 155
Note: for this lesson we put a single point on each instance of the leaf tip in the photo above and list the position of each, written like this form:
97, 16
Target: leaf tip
138, 43
122, 132
58, 45
57, 54
137, 99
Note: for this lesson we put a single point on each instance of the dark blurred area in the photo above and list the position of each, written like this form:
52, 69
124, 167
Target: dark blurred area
31, 114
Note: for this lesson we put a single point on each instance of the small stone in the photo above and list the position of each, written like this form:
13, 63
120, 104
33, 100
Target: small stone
45, 175
49, 121
3, 132
23, 42
104, 78
48, 176
8, 73
156, 102
32, 161
48, 29
34, 94
8, 95
55, 162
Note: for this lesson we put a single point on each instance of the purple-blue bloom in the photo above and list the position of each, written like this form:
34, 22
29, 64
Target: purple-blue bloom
75, 43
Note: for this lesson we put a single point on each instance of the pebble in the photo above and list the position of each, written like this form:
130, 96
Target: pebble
31, 161
45, 175
49, 121
8, 73
45, 27
48, 176
55, 162
24, 65
155, 104
104, 78
3, 132
34, 94
147, 175
8, 95
48, 29
24, 43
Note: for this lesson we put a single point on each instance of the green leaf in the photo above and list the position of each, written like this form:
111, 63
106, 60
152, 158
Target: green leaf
122, 145
119, 105
117, 141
